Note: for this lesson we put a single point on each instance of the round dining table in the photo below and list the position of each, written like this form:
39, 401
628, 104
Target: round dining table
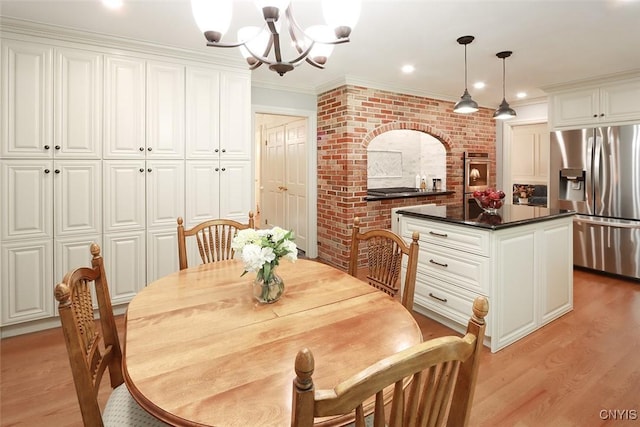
199, 350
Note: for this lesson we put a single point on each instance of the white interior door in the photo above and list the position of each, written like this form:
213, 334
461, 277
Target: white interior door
296, 181
273, 173
284, 176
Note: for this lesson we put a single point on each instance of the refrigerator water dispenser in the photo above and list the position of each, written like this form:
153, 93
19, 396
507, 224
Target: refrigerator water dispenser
572, 185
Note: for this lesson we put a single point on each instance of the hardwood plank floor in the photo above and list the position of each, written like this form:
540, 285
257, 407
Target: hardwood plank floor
565, 374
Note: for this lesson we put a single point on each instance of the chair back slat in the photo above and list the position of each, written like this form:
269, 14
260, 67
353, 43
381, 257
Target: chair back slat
432, 383
213, 239
383, 251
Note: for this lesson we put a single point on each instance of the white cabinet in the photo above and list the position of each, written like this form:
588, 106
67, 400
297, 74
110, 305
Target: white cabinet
124, 108
26, 117
526, 271
165, 110
235, 117
141, 197
96, 145
46, 205
203, 113
217, 190
607, 103
530, 154
27, 280
219, 168
40, 122
78, 104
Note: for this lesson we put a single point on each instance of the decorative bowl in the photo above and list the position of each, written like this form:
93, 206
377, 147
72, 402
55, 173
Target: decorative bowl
489, 200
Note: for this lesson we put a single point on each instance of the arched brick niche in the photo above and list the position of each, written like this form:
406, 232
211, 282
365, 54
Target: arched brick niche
349, 117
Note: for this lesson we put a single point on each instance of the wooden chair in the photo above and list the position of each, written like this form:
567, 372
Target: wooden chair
433, 383
213, 238
384, 250
93, 349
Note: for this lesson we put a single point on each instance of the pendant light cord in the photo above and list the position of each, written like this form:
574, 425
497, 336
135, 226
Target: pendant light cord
503, 80
465, 67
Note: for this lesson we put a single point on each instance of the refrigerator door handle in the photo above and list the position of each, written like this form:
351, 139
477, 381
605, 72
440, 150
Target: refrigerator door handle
606, 223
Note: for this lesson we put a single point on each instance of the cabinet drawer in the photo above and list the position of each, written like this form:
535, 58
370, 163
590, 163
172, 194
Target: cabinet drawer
463, 269
446, 300
457, 237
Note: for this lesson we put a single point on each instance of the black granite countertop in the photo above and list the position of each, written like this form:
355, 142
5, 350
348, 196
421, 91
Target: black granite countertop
406, 195
507, 215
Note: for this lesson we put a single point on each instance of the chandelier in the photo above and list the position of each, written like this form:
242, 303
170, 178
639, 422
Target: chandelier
312, 45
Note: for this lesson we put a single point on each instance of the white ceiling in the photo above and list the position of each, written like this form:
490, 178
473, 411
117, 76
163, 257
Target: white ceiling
553, 41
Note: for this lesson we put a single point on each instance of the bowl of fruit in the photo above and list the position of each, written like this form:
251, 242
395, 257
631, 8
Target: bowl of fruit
490, 200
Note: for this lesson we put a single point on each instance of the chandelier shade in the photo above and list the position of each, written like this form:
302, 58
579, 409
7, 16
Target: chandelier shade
262, 45
504, 111
466, 104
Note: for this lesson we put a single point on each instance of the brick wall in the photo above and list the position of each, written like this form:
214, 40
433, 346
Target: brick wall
349, 117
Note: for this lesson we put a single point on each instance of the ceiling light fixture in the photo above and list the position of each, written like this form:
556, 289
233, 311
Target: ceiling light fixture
313, 45
504, 111
466, 105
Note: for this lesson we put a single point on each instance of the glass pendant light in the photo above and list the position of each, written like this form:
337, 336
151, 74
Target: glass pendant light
504, 112
466, 105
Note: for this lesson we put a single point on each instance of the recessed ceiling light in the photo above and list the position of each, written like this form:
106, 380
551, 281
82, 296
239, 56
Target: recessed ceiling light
112, 4
407, 69
521, 95
479, 85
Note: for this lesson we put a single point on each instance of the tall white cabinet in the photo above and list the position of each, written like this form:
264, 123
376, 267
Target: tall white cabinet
110, 145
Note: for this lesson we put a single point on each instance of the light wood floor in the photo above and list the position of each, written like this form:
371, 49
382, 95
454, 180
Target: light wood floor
562, 375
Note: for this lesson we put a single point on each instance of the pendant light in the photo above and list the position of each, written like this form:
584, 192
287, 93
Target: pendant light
466, 105
504, 112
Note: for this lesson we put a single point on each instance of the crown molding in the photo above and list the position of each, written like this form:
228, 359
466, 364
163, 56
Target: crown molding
590, 82
39, 31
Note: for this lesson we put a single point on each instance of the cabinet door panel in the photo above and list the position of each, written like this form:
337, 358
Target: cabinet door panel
575, 108
78, 104
27, 201
27, 289
516, 292
26, 116
203, 113
235, 117
235, 190
124, 259
124, 108
162, 254
78, 197
556, 299
124, 195
165, 192
619, 101
165, 111
202, 192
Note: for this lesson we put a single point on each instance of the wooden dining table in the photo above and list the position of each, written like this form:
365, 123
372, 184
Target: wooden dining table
199, 350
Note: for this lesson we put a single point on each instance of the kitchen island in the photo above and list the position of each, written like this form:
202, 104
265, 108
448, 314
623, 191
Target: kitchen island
520, 259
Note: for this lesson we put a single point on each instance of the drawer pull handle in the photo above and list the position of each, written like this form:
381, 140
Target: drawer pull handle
438, 298
438, 234
437, 263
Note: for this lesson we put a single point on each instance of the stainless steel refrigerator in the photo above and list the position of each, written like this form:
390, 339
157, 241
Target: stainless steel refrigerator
596, 172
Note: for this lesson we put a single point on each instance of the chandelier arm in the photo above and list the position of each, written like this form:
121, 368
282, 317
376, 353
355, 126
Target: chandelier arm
219, 44
275, 37
314, 63
264, 59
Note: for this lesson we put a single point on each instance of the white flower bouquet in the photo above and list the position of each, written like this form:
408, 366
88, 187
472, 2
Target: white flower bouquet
261, 250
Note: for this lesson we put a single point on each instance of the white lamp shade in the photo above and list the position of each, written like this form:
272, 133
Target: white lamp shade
212, 15
320, 33
341, 13
255, 38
